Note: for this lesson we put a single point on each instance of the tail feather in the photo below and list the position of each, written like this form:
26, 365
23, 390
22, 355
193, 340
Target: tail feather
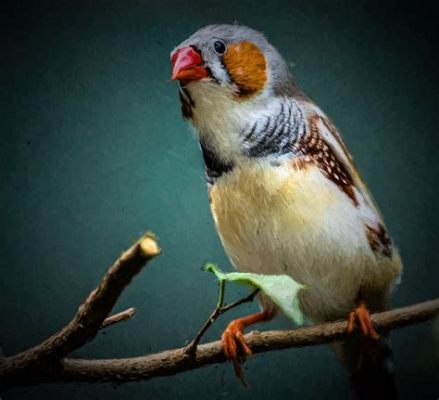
370, 366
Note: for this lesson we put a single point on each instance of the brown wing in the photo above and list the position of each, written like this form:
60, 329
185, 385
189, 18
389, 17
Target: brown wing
323, 146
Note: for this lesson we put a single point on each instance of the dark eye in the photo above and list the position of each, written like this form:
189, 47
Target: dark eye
219, 47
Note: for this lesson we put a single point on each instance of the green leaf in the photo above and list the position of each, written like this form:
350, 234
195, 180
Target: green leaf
281, 289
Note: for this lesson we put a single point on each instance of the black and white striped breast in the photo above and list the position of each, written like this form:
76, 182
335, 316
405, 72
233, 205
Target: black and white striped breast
275, 134
269, 136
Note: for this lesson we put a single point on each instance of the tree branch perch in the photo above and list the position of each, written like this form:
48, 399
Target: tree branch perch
47, 362
35, 364
172, 362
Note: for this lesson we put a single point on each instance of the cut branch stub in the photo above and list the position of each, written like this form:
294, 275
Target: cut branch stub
42, 359
45, 362
118, 317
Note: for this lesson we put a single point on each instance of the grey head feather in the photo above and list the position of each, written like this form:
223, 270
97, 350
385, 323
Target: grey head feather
281, 81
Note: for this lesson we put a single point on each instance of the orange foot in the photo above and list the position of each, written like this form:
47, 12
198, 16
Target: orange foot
234, 345
362, 315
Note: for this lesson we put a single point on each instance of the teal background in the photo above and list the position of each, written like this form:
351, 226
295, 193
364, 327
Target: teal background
94, 153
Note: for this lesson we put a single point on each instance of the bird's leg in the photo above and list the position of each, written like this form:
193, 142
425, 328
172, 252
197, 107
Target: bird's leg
234, 345
362, 315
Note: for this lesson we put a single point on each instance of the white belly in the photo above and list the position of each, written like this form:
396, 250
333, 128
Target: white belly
276, 220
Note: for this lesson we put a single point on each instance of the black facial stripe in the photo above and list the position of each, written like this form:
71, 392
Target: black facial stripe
221, 59
187, 104
211, 75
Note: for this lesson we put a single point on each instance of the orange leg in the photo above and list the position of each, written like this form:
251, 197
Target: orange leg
362, 315
233, 340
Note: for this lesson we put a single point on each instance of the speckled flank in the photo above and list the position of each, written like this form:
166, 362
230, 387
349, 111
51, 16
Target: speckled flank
379, 240
316, 150
247, 67
299, 163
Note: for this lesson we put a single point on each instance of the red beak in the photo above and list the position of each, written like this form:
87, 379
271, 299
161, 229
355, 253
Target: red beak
187, 65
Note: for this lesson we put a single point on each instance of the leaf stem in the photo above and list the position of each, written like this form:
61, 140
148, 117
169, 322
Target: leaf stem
222, 290
219, 309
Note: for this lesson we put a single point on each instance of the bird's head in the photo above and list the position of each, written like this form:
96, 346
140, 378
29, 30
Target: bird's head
230, 77
235, 58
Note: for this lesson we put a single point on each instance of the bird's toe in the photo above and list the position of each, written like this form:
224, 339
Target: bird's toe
361, 315
235, 348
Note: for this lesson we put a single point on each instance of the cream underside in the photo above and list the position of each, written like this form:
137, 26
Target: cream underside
277, 220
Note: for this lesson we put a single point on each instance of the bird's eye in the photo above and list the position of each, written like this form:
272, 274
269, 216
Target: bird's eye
219, 47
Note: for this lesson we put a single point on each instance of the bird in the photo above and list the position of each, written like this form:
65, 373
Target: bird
286, 196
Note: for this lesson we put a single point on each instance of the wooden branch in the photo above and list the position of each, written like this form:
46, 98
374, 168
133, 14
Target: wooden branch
175, 361
46, 362
118, 317
35, 364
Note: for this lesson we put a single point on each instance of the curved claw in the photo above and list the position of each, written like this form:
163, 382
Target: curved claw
362, 315
235, 347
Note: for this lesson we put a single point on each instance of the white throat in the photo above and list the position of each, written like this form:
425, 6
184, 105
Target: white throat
220, 119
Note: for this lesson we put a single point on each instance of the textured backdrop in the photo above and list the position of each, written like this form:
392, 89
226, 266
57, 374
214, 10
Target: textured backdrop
94, 152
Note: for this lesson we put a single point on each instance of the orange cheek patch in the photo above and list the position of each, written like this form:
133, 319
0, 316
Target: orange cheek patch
247, 67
